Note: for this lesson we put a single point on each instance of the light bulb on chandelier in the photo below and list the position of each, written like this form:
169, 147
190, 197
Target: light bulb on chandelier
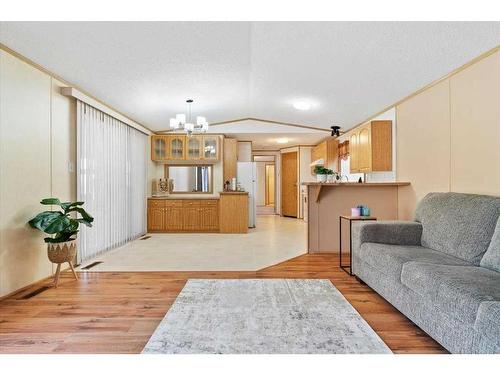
180, 122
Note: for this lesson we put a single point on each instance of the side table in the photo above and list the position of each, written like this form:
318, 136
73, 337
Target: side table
348, 269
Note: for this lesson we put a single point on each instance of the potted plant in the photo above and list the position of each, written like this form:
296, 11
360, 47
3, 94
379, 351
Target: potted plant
62, 230
321, 173
332, 176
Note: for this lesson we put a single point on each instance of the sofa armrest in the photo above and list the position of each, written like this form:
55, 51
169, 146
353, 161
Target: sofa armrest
386, 232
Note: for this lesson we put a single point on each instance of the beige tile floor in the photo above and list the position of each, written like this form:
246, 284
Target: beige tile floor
274, 240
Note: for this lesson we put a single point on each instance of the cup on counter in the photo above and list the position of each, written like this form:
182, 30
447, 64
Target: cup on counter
355, 211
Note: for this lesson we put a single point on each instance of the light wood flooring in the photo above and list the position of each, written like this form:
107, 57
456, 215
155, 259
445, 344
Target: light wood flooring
116, 312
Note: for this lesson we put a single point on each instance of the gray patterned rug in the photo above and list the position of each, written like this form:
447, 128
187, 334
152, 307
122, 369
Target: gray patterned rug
263, 316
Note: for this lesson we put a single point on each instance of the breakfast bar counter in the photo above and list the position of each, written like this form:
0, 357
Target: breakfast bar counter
327, 201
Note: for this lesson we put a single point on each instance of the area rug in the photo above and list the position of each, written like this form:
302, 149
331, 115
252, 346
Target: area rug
263, 317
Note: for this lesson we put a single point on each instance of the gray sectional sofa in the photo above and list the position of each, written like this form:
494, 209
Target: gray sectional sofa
442, 270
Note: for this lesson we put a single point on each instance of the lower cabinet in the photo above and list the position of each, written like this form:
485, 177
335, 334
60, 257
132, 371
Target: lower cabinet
183, 215
156, 216
209, 216
192, 216
173, 216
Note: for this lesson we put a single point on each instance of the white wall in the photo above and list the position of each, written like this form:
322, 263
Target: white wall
37, 146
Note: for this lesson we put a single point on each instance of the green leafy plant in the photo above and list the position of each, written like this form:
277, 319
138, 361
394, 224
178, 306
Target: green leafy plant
319, 169
59, 223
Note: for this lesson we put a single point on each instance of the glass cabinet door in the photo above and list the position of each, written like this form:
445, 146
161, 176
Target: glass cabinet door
177, 147
210, 147
159, 148
193, 148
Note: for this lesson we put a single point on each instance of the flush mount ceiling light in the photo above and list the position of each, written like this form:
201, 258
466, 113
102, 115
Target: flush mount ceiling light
179, 122
282, 140
302, 105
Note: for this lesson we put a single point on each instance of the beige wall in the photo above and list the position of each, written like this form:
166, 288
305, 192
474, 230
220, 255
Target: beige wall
37, 143
475, 130
448, 136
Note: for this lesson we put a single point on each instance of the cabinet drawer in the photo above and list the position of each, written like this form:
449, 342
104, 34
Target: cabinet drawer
190, 203
156, 203
173, 203
209, 202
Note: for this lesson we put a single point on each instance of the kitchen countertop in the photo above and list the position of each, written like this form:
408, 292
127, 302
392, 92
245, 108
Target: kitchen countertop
322, 185
337, 184
195, 197
181, 196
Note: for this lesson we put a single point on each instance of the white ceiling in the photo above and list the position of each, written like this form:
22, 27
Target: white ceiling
348, 71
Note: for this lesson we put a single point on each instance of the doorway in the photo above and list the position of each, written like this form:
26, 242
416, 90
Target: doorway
289, 173
266, 194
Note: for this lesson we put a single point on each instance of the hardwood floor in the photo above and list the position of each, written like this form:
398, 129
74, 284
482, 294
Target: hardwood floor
117, 312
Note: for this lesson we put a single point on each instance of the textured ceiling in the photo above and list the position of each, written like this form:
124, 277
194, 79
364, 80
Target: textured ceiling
347, 70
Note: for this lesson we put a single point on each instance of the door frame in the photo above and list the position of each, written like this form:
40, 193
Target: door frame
275, 176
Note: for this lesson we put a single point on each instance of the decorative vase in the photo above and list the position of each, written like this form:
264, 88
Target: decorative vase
62, 252
321, 177
330, 178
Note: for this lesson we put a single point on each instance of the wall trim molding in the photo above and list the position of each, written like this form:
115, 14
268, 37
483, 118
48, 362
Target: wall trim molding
77, 94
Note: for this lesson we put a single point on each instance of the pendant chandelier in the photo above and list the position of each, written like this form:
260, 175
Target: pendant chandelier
180, 123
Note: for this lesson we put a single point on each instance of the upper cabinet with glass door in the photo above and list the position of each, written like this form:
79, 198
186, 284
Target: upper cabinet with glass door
159, 148
194, 147
210, 147
176, 147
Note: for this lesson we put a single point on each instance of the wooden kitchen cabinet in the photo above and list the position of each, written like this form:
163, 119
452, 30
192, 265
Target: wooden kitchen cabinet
328, 152
353, 152
192, 216
194, 147
209, 217
156, 215
173, 216
210, 147
230, 158
183, 215
370, 147
176, 147
159, 148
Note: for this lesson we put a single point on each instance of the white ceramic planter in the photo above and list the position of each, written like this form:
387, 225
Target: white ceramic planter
321, 177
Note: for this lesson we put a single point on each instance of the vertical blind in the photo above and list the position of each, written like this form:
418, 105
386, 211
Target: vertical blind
111, 180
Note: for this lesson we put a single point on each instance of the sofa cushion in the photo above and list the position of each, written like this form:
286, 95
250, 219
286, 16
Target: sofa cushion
459, 290
458, 224
491, 258
389, 259
488, 321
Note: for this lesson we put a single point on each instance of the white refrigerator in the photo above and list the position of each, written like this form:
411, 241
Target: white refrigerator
246, 175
